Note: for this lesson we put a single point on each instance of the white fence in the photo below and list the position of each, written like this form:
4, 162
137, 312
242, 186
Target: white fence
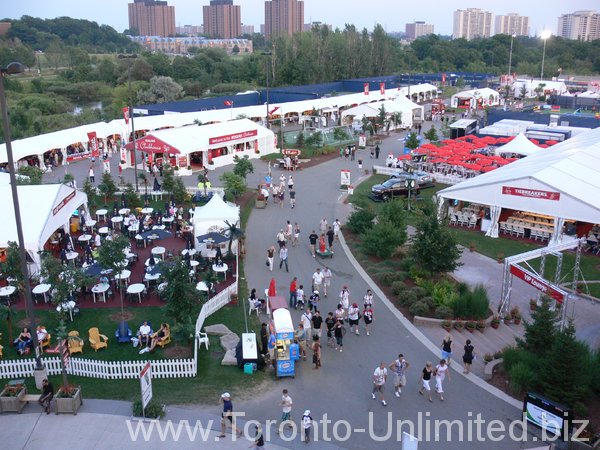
215, 304
108, 370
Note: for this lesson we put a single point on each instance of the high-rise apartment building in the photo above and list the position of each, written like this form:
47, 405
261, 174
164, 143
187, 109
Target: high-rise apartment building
222, 19
472, 23
152, 18
283, 17
582, 25
417, 29
247, 29
512, 23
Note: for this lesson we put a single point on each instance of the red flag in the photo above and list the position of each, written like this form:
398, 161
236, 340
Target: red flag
443, 79
228, 102
366, 88
382, 88
93, 144
126, 114
273, 110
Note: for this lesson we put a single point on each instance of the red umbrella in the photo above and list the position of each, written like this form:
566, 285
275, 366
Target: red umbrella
551, 142
488, 168
272, 288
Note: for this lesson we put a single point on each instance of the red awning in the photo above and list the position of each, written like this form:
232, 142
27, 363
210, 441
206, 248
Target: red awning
151, 144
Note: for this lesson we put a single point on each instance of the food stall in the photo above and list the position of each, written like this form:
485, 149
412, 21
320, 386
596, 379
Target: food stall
284, 335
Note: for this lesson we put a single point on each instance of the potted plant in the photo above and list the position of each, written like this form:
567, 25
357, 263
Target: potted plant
495, 323
261, 201
470, 326
68, 399
533, 304
488, 357
515, 312
233, 300
498, 354
507, 319
500, 258
11, 398
516, 318
447, 325
458, 325
480, 325
472, 246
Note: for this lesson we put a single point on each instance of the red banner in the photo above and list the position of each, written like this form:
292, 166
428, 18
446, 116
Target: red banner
366, 88
93, 144
232, 137
382, 88
539, 283
443, 79
151, 144
182, 162
126, 114
228, 103
62, 203
291, 152
273, 110
530, 193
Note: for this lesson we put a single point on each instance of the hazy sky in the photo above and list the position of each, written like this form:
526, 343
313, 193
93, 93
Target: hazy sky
392, 14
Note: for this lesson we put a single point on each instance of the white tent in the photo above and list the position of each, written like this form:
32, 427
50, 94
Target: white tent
212, 216
520, 145
372, 110
558, 87
487, 96
563, 183
44, 209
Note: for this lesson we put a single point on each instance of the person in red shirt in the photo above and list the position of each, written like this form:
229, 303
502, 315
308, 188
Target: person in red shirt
293, 293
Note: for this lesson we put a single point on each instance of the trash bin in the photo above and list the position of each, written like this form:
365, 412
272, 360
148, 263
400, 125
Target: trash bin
248, 368
360, 163
74, 225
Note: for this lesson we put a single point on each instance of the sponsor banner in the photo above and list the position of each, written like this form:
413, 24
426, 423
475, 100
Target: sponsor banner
382, 88
232, 137
291, 152
183, 161
151, 144
366, 88
126, 114
78, 156
146, 384
93, 144
539, 283
531, 193
345, 178
273, 110
228, 103
62, 203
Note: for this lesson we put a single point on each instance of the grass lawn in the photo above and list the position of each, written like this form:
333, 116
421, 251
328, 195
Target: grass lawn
590, 265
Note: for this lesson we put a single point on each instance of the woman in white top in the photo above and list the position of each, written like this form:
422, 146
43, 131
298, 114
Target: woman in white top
368, 299
345, 298
353, 317
440, 374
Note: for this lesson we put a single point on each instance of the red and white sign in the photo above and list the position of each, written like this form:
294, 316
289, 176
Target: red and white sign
366, 88
78, 156
539, 283
64, 353
126, 114
182, 161
62, 203
344, 177
443, 79
93, 144
151, 144
146, 384
382, 88
228, 102
291, 152
232, 137
273, 110
530, 193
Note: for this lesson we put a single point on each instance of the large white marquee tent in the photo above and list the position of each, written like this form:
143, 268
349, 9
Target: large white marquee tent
563, 182
520, 145
212, 217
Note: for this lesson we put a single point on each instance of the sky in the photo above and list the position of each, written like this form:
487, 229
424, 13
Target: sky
391, 14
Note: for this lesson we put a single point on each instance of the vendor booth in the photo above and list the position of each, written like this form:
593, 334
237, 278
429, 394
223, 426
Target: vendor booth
44, 209
212, 218
284, 335
195, 147
475, 99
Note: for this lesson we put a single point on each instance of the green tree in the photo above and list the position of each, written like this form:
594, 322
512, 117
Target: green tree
234, 184
541, 330
8, 313
11, 267
393, 212
168, 179
111, 256
361, 220
65, 279
234, 233
180, 193
90, 190
33, 173
431, 134
300, 139
161, 90
381, 118
181, 296
242, 166
411, 141
433, 246
383, 239
107, 187
131, 198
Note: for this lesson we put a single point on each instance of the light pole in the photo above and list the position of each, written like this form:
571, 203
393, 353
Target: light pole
545, 35
12, 69
130, 104
267, 54
512, 38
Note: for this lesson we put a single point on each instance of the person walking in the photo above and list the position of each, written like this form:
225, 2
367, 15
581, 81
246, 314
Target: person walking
300, 298
368, 318
306, 320
281, 197
379, 379
317, 323
337, 226
447, 348
327, 275
338, 333
316, 349
368, 300
270, 256
296, 234
323, 225
330, 325
317, 280
91, 175
292, 198
300, 336
307, 425
330, 238
289, 231
286, 409
426, 380
377, 150
294, 293
314, 300
290, 183
353, 318
468, 356
313, 238
227, 416
345, 300
340, 314
281, 238
398, 367
440, 375
283, 257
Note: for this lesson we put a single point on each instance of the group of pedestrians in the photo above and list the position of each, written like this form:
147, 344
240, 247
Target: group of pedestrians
277, 190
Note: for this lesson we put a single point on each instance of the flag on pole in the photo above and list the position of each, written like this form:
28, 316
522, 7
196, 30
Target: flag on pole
366, 88
228, 102
382, 88
273, 110
93, 144
126, 114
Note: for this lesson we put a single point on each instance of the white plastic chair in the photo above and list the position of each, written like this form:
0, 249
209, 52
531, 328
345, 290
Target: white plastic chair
202, 339
253, 307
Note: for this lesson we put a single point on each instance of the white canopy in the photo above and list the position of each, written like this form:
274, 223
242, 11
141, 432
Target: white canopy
213, 215
520, 145
563, 182
44, 209
400, 105
488, 97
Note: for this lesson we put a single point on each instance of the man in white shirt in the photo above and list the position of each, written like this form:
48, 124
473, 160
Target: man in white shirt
326, 280
286, 405
317, 279
306, 320
144, 333
379, 379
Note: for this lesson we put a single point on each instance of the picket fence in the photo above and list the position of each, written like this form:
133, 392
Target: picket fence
214, 304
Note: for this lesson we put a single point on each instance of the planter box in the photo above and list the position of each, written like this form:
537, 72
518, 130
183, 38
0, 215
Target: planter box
13, 404
69, 405
260, 204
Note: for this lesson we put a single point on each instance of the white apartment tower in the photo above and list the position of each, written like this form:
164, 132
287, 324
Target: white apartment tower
581, 25
417, 29
512, 23
472, 23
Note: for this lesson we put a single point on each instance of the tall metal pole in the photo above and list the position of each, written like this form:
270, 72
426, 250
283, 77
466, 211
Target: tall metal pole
133, 56
512, 37
267, 54
543, 59
14, 68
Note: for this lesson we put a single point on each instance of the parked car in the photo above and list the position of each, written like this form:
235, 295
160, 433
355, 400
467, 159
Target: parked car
394, 187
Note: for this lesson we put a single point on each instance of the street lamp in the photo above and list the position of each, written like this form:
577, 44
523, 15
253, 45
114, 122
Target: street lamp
545, 35
267, 54
12, 69
130, 104
512, 38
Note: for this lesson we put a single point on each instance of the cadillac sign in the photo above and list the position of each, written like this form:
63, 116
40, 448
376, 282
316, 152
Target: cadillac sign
530, 193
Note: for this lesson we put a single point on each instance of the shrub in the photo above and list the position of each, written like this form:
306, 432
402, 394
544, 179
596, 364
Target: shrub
420, 292
443, 312
408, 297
419, 308
444, 294
474, 305
153, 410
407, 263
387, 278
382, 239
522, 377
360, 221
429, 301
398, 287
393, 211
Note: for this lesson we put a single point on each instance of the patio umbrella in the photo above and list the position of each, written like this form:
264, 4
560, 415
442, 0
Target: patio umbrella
156, 234
214, 238
488, 168
93, 270
272, 289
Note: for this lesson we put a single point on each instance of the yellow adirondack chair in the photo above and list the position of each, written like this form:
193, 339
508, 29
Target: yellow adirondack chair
166, 339
97, 340
75, 342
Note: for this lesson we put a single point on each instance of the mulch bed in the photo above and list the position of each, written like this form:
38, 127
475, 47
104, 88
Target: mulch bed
118, 317
177, 352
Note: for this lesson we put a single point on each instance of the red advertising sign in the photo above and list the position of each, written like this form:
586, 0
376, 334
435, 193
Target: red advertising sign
273, 110
64, 353
443, 79
539, 283
93, 144
366, 88
530, 193
382, 88
228, 103
151, 144
126, 115
232, 137
291, 152
182, 161
62, 203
